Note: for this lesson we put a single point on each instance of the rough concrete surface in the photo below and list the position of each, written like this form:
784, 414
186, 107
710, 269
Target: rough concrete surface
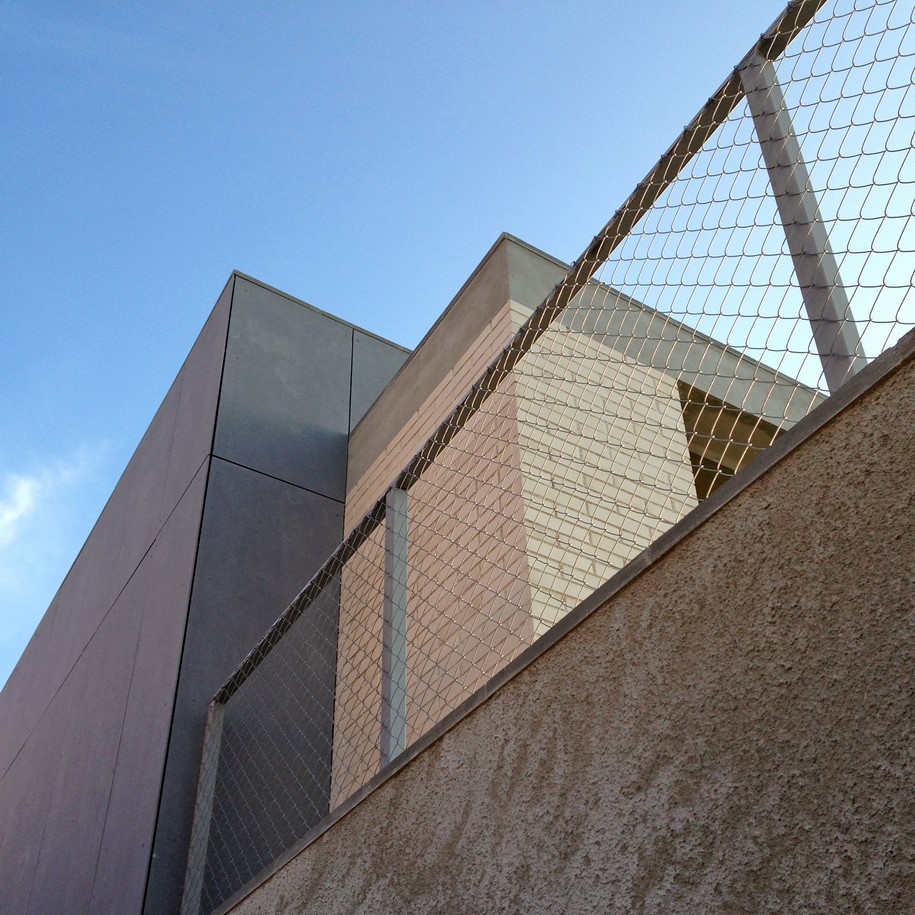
732, 732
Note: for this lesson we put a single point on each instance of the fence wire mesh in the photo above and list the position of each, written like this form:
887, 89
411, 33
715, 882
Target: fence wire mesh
764, 260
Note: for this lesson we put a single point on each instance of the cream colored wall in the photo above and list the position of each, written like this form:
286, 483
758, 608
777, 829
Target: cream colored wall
565, 474
469, 602
464, 514
605, 466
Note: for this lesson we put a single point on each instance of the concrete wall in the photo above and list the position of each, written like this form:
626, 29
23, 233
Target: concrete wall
469, 608
471, 332
604, 465
732, 731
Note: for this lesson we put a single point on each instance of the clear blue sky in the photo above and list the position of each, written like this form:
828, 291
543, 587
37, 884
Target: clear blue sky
361, 156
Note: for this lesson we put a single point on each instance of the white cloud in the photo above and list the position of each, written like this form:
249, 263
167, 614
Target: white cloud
20, 494
46, 512
26, 495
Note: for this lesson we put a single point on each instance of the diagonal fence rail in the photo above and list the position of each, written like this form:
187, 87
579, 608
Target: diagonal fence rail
760, 264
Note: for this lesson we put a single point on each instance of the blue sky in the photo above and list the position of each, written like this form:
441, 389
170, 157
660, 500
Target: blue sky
361, 156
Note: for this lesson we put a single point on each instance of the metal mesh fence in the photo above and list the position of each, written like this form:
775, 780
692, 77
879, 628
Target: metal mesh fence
763, 261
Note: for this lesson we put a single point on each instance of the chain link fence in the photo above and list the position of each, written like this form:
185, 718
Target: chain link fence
765, 259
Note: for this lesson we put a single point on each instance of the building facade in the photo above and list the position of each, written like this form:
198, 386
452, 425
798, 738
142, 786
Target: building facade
232, 499
283, 429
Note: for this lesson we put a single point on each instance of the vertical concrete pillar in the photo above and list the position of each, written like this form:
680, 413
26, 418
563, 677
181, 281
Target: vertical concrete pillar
834, 331
203, 810
394, 649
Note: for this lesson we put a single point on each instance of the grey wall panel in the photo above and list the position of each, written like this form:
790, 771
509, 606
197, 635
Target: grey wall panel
284, 408
166, 574
133, 515
196, 417
84, 721
24, 801
375, 362
261, 541
173, 447
28, 690
117, 543
87, 714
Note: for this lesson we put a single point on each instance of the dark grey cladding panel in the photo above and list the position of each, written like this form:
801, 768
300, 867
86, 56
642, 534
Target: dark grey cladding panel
28, 691
375, 363
77, 738
118, 541
284, 408
24, 799
166, 572
261, 541
121, 536
200, 376
63, 708
170, 453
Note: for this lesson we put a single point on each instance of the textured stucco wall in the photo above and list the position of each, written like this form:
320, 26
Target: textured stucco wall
732, 732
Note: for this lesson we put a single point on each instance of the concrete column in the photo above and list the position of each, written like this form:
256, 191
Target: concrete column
203, 810
394, 651
834, 331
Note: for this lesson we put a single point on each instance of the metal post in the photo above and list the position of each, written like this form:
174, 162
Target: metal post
394, 656
203, 810
834, 331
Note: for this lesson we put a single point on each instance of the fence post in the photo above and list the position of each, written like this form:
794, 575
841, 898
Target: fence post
394, 645
825, 300
203, 810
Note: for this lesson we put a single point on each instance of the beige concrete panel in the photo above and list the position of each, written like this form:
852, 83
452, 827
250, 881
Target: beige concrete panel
591, 419
468, 597
732, 731
470, 314
468, 336
405, 441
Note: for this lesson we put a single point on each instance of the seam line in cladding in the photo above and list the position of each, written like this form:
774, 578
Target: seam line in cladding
101, 622
263, 473
208, 461
117, 755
